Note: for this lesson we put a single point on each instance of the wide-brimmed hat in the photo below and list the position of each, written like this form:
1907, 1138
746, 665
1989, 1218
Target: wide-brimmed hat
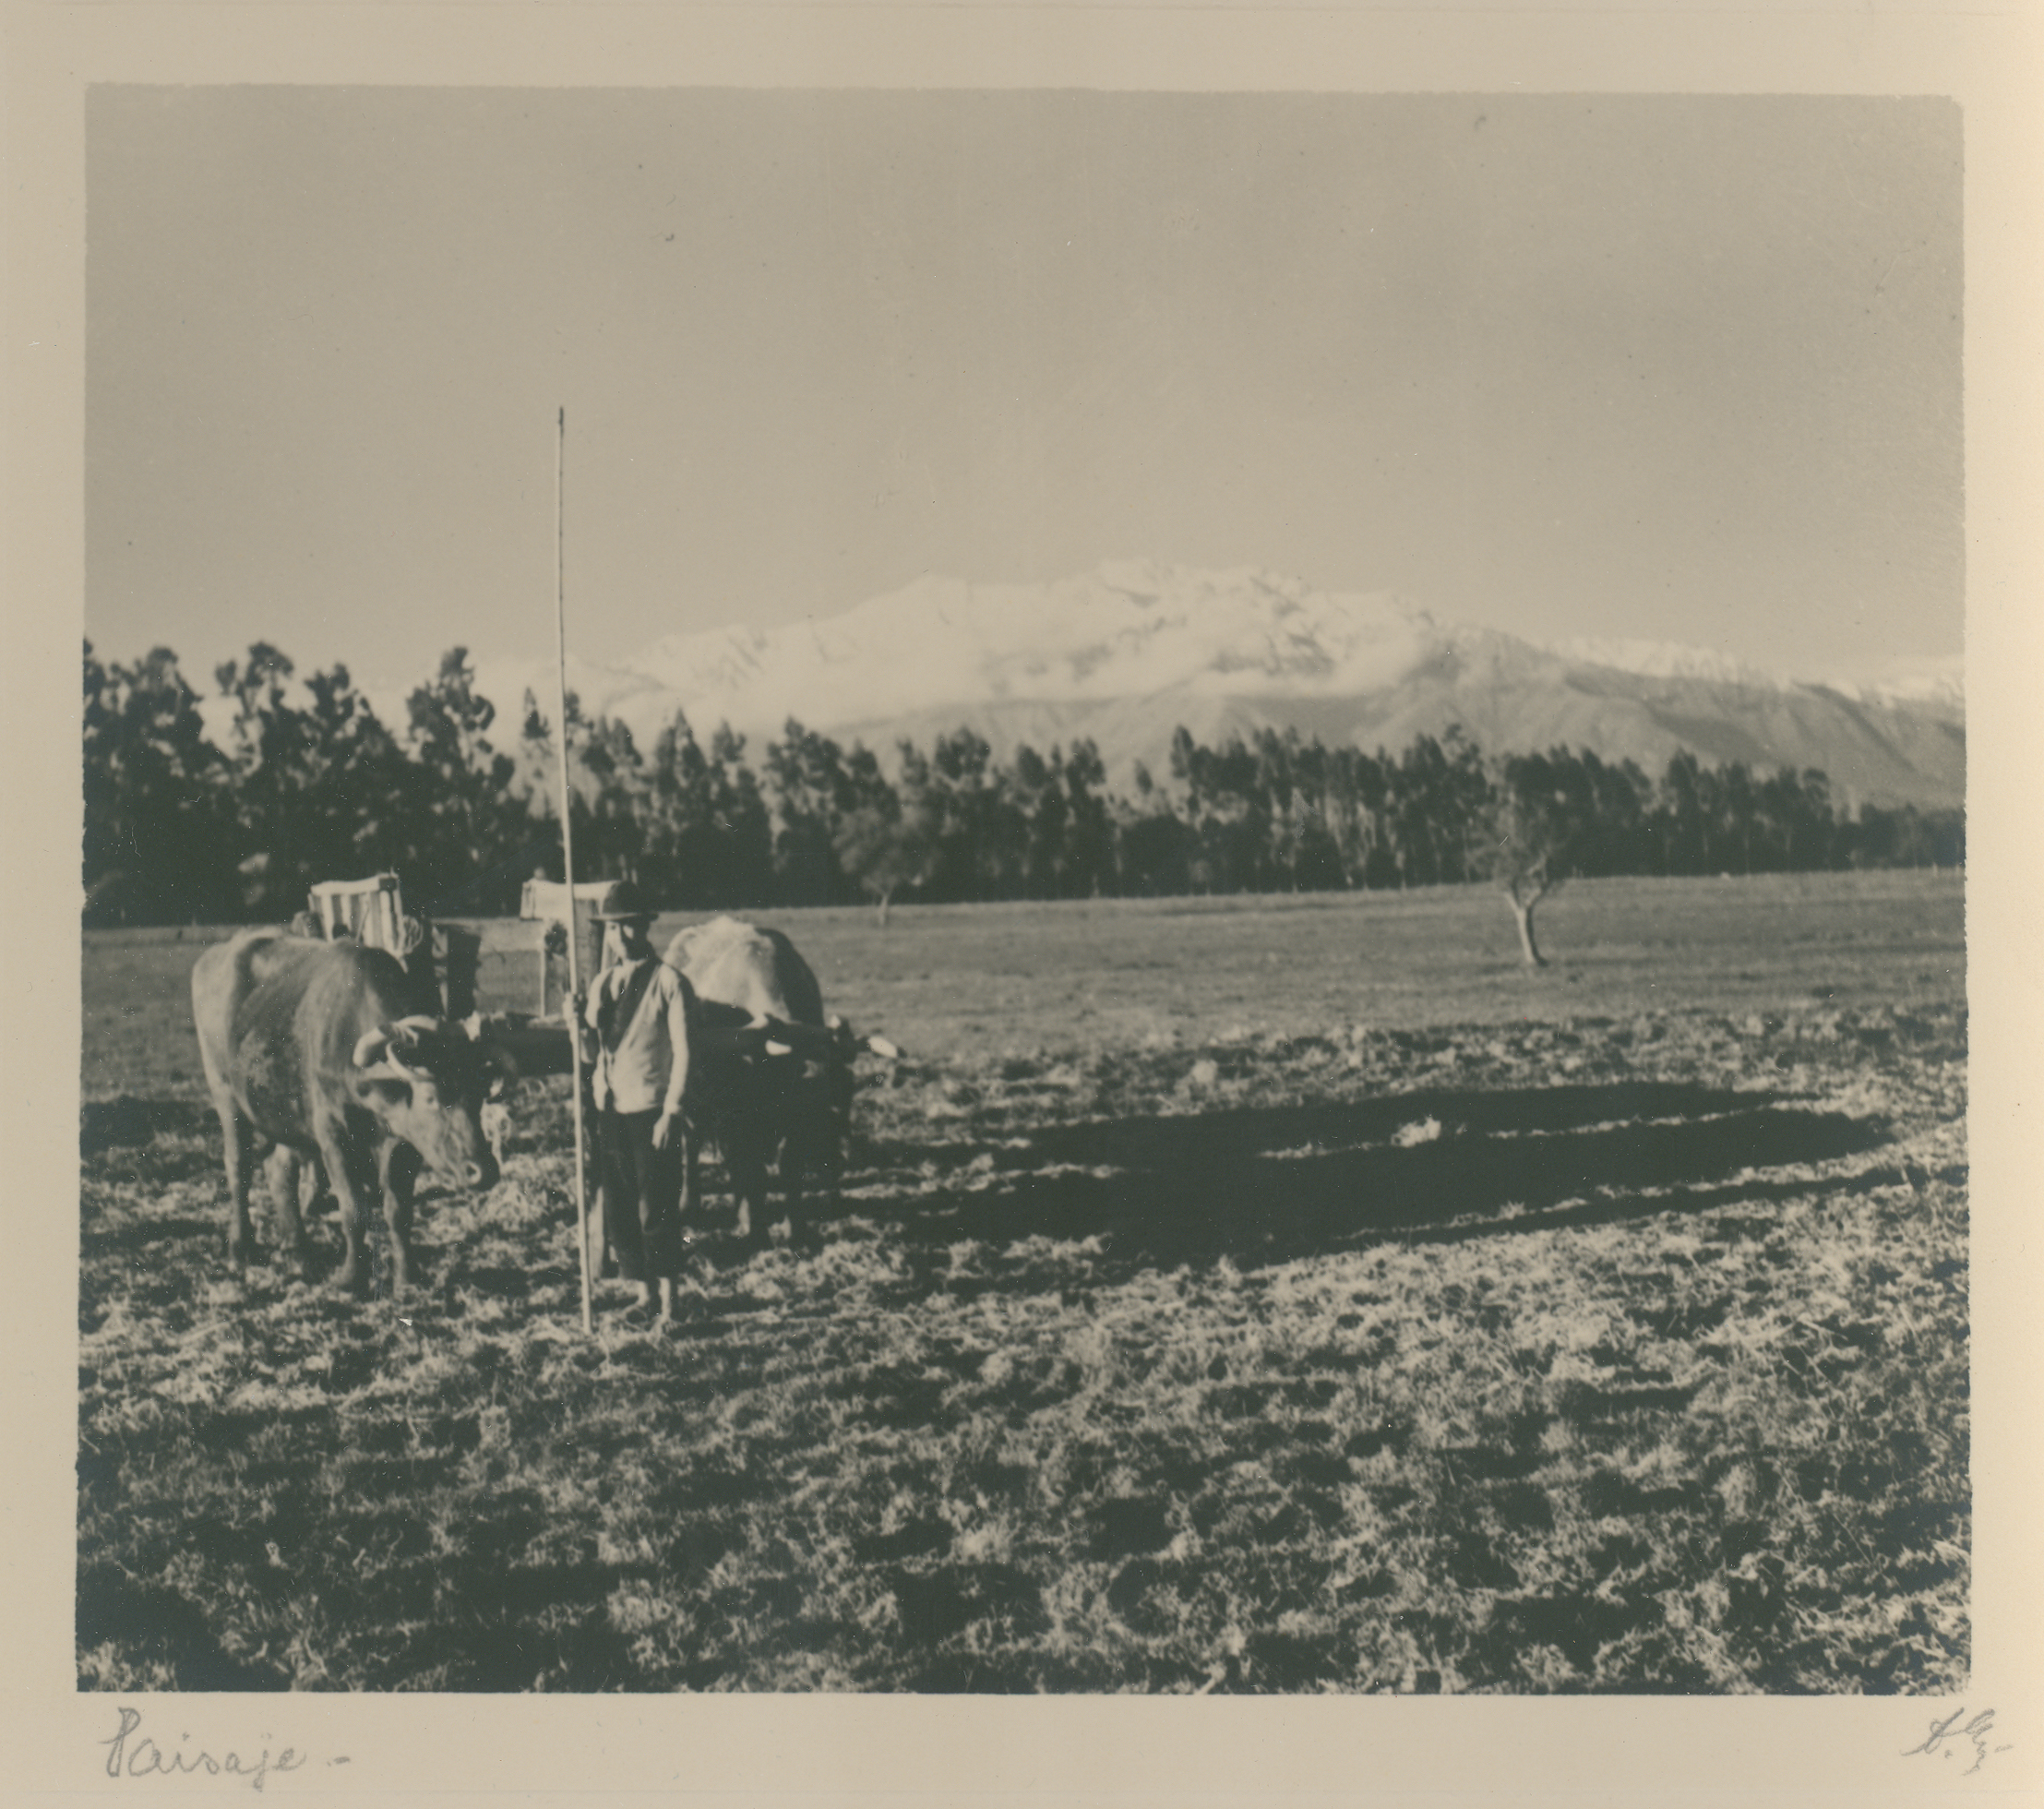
626, 904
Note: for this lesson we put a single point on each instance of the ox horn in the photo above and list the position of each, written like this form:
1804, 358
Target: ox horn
376, 1054
772, 1034
841, 1035
378, 1047
746, 1039
811, 1040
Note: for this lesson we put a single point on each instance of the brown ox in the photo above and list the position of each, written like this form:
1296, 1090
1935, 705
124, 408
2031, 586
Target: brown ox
773, 1081
311, 1047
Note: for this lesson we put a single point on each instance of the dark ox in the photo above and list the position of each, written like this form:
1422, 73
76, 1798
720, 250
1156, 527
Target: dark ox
773, 1081
312, 1048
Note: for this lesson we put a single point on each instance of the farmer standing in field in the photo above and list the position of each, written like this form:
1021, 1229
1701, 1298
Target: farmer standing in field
636, 1029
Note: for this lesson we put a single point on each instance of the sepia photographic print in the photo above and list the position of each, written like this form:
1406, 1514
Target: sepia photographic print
1257, 983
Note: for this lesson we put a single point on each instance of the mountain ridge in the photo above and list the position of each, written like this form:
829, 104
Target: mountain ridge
1134, 649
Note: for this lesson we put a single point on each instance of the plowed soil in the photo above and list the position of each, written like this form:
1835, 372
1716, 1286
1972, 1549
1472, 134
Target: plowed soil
1253, 1297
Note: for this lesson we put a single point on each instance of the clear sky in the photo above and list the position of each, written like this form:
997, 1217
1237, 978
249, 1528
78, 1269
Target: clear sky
1667, 368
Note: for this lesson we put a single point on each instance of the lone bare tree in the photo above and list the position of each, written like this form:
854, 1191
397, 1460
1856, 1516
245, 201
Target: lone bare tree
1531, 826
884, 850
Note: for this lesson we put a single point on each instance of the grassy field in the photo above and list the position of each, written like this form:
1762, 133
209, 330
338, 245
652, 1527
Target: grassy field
1244, 1294
952, 980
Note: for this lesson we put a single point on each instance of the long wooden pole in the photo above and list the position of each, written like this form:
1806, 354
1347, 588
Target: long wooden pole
568, 871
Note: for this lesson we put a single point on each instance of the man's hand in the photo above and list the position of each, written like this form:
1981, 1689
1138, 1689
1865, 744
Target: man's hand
663, 1129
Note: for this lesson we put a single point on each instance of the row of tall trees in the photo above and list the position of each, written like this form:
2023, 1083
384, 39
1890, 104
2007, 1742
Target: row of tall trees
229, 809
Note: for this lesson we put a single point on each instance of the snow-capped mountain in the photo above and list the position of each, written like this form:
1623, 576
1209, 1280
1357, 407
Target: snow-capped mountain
1936, 684
1662, 659
1127, 654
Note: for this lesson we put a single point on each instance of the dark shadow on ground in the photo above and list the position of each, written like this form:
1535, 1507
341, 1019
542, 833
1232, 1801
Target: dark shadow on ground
1272, 1186
1190, 1139
152, 1624
136, 1234
128, 1122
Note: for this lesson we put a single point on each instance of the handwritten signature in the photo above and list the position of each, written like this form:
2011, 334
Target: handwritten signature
145, 1757
1976, 1731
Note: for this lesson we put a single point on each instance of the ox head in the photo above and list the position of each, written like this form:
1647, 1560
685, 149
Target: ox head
427, 1080
827, 1057
807, 1072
